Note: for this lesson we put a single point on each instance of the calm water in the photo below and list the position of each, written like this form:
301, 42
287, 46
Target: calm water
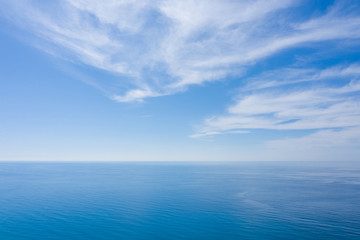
179, 201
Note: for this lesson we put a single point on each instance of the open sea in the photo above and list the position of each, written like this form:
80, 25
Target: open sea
180, 200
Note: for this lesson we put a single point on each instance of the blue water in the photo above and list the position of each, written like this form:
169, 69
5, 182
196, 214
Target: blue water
179, 201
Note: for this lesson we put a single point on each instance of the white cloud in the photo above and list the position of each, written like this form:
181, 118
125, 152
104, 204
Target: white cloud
290, 76
136, 94
323, 101
161, 47
315, 108
212, 133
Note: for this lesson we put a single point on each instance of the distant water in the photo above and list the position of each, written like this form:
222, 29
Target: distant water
179, 201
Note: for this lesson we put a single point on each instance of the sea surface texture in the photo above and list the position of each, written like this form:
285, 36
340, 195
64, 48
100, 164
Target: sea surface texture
179, 201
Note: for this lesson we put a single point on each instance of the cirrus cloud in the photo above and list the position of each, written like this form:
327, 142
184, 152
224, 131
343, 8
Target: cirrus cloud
161, 47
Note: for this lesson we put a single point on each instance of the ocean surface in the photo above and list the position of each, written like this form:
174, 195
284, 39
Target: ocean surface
179, 201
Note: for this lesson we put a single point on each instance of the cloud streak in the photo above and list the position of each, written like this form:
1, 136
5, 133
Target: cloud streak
325, 102
162, 47
330, 145
276, 109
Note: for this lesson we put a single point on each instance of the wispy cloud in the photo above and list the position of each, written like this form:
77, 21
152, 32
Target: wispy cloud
291, 76
298, 108
212, 133
323, 139
330, 144
161, 47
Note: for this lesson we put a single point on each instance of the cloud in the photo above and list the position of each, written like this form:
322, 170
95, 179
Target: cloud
324, 102
330, 144
212, 133
297, 108
323, 139
161, 47
290, 76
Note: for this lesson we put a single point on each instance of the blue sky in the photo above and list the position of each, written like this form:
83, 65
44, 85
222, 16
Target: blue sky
88, 80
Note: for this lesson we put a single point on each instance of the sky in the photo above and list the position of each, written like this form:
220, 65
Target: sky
179, 80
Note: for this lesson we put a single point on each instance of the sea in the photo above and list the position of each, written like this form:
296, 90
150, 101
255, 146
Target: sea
179, 200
